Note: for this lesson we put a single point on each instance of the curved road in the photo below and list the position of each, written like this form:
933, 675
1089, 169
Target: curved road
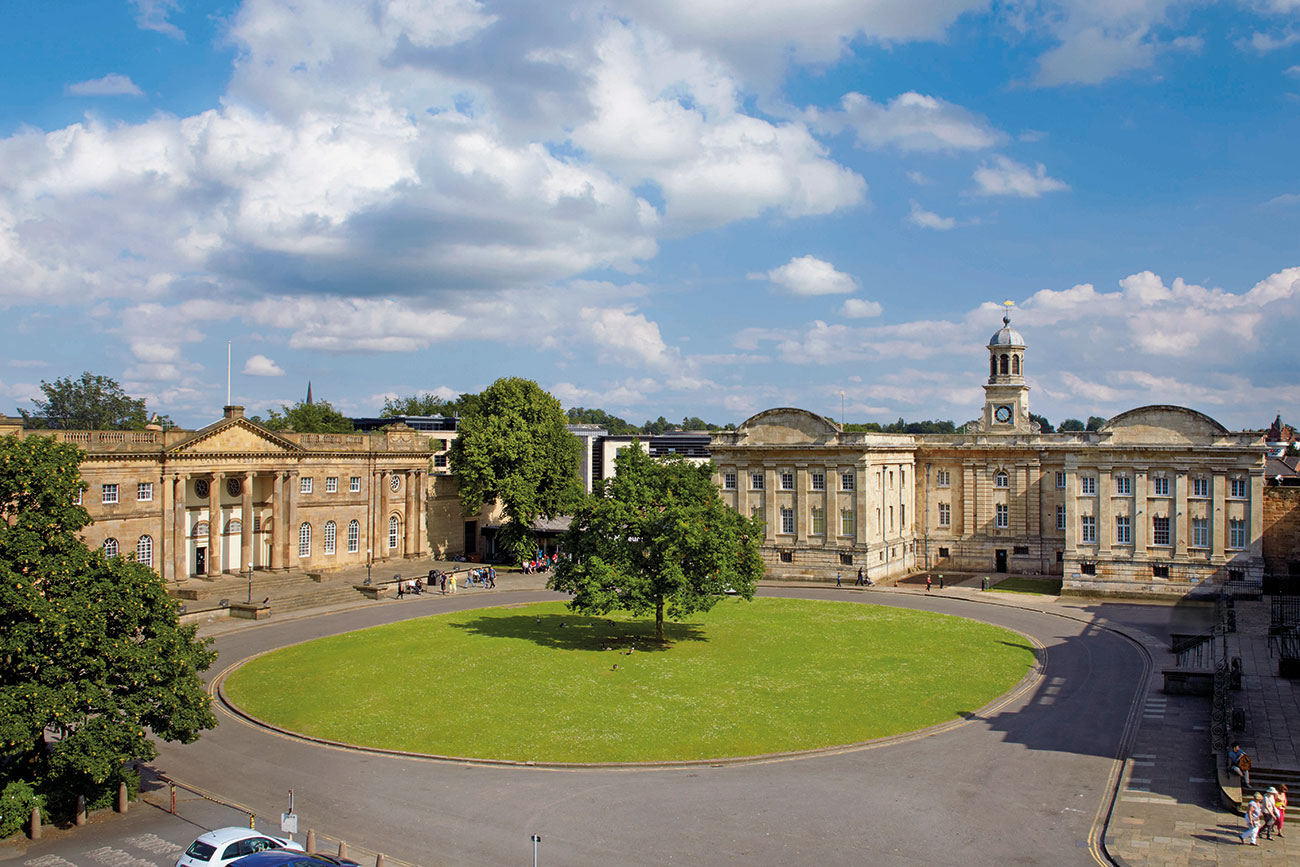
1024, 785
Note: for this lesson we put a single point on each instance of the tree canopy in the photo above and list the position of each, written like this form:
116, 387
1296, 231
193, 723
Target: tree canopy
89, 403
514, 447
900, 426
91, 648
426, 404
657, 539
1070, 425
611, 423
1044, 426
303, 417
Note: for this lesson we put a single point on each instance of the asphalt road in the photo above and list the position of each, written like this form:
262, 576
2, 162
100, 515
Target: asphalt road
1024, 784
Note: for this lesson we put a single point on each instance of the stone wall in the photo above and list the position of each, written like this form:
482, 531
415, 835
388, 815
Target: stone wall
1281, 530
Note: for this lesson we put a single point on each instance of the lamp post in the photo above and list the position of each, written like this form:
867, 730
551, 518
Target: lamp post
368, 563
250, 582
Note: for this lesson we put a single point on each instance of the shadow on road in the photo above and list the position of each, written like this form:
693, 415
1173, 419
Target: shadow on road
577, 632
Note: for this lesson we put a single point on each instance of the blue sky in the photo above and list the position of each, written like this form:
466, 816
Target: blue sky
656, 207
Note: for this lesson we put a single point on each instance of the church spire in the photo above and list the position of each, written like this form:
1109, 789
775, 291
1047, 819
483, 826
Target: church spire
309, 392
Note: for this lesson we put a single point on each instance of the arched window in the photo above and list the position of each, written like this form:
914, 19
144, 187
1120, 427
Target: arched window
354, 537
304, 540
1015, 364
201, 530
1002, 364
330, 531
993, 365
1001, 479
233, 526
110, 547
144, 550
392, 532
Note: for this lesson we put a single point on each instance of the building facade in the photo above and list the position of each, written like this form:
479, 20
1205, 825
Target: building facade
235, 496
1162, 499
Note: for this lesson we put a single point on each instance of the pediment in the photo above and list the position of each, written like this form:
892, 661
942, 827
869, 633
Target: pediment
1163, 424
238, 436
788, 426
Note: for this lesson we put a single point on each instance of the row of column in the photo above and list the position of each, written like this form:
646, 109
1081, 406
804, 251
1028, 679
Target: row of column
413, 514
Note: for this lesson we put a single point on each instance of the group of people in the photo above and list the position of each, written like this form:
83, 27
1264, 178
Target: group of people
541, 563
1266, 811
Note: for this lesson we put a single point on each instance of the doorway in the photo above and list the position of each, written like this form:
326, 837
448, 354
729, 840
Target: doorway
1002, 559
200, 561
471, 537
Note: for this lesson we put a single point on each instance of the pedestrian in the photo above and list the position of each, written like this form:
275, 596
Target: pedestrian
837, 579
452, 585
443, 583
1281, 808
1270, 813
927, 583
492, 577
1239, 763
401, 586
1254, 818
940, 580
859, 581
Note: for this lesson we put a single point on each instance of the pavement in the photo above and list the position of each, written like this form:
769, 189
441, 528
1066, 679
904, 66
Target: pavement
1162, 806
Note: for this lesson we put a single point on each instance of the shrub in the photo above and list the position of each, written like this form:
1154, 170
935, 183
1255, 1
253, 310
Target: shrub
16, 802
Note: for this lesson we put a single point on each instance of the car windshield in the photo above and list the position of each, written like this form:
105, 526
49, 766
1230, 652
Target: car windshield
200, 851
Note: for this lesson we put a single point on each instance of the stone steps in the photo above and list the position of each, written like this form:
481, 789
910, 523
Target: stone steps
321, 597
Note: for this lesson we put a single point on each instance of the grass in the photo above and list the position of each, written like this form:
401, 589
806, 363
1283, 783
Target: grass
1022, 584
533, 682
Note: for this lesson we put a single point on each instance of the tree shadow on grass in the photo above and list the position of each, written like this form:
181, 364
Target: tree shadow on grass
577, 632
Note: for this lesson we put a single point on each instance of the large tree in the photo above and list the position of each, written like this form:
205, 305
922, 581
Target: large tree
89, 403
91, 650
303, 417
425, 404
657, 539
513, 446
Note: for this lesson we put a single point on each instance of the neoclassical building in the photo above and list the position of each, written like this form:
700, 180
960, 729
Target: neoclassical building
235, 496
1160, 499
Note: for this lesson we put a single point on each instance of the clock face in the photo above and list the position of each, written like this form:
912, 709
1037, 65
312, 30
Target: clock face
396, 482
1003, 413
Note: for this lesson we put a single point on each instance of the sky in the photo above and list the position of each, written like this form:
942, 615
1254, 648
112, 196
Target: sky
654, 207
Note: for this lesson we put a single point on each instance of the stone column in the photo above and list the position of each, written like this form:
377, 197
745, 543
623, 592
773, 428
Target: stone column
770, 513
408, 516
1105, 532
180, 536
382, 551
1255, 519
801, 505
1141, 515
1217, 517
421, 496
967, 499
1178, 521
860, 476
292, 530
1071, 513
1034, 479
214, 524
246, 523
278, 521
162, 550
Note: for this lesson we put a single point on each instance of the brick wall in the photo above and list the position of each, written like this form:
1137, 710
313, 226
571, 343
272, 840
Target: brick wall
1281, 529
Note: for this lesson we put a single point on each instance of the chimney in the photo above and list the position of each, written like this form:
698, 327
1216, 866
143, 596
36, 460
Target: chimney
233, 411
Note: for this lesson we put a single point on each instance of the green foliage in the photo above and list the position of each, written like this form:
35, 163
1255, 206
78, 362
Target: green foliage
16, 802
1071, 425
303, 417
1293, 450
659, 426
1095, 422
611, 423
89, 403
425, 404
657, 538
908, 427
91, 648
1044, 425
513, 447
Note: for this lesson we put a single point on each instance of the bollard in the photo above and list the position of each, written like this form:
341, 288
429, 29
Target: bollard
379, 860
35, 828
171, 787
80, 818
121, 798
311, 841
343, 849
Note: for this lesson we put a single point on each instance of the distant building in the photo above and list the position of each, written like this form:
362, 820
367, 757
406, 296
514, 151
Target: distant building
600, 447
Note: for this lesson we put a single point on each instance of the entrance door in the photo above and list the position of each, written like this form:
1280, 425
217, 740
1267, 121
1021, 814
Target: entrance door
1002, 559
471, 537
200, 561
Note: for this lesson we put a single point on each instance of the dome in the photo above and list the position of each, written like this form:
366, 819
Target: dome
1007, 336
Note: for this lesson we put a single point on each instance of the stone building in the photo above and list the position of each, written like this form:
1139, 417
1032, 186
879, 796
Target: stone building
1161, 499
235, 496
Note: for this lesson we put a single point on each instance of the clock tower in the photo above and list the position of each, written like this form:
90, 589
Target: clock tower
1006, 397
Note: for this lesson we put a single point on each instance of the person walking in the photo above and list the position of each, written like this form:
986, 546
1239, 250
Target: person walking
1281, 808
927, 583
859, 581
451, 584
1239, 764
838, 583
1270, 813
1254, 818
401, 586
492, 577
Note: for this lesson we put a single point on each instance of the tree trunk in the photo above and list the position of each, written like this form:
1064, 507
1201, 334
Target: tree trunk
659, 620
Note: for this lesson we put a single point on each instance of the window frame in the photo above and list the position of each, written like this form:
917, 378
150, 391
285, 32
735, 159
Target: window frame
1088, 529
787, 480
1237, 533
848, 481
1002, 479
1160, 529
305, 484
354, 536
787, 520
1060, 517
817, 480
848, 522
144, 492
1060, 480
1200, 487
729, 479
1200, 533
945, 515
109, 494
816, 519
1124, 485
330, 540
1123, 530
1001, 516
1088, 485
394, 532
354, 484
1237, 488
304, 540
756, 481
111, 548
144, 550
331, 484
942, 479
1160, 486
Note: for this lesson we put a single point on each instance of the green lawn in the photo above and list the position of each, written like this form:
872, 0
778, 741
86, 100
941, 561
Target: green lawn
533, 682
1022, 584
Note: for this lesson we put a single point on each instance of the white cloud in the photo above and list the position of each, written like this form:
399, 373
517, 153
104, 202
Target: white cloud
1006, 177
1285, 198
627, 336
1092, 55
1267, 42
909, 122
1293, 70
152, 15
860, 308
919, 178
260, 365
808, 275
919, 216
113, 84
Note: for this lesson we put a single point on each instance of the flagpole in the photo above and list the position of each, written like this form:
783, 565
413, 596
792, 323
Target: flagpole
227, 373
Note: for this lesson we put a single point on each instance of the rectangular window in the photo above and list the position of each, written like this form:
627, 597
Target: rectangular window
902, 478
1088, 568
1020, 551
943, 553
818, 481
945, 515
1087, 484
1003, 516
354, 484
304, 485
1200, 487
1060, 517
1238, 488
846, 522
729, 481
1236, 533
1060, 481
354, 537
1159, 570
1200, 532
756, 481
439, 461
891, 519
110, 494
846, 559
331, 484
787, 480
144, 491
787, 519
1123, 484
1159, 531
1123, 530
902, 516
787, 556
846, 481
1161, 486
941, 479
1089, 528
818, 522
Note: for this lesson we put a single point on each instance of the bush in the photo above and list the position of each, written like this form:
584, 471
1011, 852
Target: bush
16, 802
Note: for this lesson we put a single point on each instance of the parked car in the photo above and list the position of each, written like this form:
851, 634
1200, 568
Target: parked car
289, 858
226, 845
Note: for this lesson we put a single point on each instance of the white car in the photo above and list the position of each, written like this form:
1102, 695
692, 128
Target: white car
226, 845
